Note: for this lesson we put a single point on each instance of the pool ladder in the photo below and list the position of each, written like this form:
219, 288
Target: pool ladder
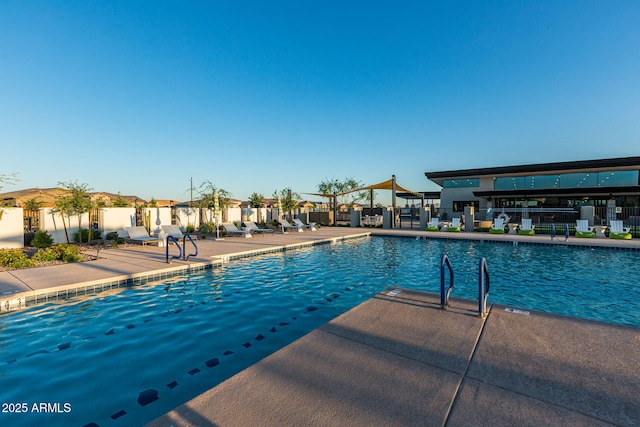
484, 284
171, 239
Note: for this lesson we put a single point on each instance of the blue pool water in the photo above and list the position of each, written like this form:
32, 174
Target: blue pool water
125, 357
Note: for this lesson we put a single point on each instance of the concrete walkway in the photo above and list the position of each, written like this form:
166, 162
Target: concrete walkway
397, 359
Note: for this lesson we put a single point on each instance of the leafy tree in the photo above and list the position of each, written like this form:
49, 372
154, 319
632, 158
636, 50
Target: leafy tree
331, 186
256, 200
119, 202
207, 192
32, 204
288, 199
74, 202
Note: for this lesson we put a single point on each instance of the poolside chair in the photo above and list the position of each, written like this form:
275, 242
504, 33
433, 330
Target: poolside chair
287, 226
526, 228
583, 229
140, 234
231, 230
455, 225
253, 228
173, 231
311, 226
433, 225
618, 231
498, 226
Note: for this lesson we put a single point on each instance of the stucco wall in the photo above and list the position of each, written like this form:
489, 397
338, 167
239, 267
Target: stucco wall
11, 228
116, 219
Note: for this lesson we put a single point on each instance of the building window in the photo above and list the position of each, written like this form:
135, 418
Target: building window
461, 183
568, 180
458, 206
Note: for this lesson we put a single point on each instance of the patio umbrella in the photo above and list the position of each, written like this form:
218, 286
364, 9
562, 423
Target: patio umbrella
279, 207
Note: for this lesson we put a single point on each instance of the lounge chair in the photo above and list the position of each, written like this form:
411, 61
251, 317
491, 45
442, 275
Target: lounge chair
433, 225
618, 231
526, 228
372, 221
498, 226
141, 235
583, 229
287, 226
231, 229
253, 228
311, 226
455, 225
173, 231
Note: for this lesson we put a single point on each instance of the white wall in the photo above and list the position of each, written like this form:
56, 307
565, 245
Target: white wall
255, 214
232, 214
11, 228
159, 217
187, 216
116, 219
52, 224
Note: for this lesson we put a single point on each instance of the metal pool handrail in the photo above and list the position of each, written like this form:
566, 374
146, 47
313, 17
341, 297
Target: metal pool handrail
484, 284
183, 252
188, 236
172, 240
444, 295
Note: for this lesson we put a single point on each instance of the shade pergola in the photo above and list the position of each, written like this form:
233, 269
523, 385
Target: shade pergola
389, 184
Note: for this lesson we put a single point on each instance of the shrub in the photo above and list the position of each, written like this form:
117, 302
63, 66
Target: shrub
190, 228
115, 238
14, 258
46, 254
68, 253
85, 235
41, 239
113, 235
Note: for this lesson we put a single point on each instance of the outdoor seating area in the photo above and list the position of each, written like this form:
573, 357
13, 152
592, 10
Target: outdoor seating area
232, 230
311, 226
583, 230
371, 221
618, 231
140, 235
253, 228
286, 225
455, 226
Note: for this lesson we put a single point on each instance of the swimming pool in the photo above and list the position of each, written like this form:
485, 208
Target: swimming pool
126, 357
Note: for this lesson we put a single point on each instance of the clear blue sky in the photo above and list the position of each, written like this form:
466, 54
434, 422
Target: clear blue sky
138, 97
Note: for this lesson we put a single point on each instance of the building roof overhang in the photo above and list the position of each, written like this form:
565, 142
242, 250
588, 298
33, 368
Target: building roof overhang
541, 168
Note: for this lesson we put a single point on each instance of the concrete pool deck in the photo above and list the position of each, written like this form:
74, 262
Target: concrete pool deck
397, 359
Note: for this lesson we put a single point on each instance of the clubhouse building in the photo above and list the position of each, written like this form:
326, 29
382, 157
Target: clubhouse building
599, 190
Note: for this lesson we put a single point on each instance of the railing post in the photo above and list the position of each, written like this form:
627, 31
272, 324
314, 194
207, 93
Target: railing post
184, 249
483, 287
173, 239
444, 295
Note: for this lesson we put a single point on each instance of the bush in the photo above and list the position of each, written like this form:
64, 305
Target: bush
115, 238
112, 235
85, 235
68, 253
190, 228
46, 254
41, 239
14, 258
